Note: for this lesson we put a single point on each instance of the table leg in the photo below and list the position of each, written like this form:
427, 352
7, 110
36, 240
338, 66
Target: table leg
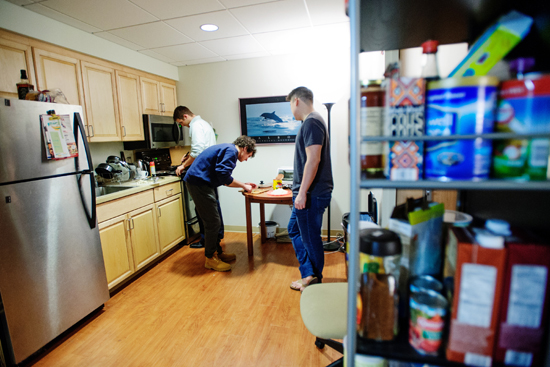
249, 241
262, 223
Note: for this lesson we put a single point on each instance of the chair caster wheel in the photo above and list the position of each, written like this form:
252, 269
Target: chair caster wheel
319, 344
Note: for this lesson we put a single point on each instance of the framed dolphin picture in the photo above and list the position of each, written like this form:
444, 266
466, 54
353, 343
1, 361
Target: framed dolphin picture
268, 120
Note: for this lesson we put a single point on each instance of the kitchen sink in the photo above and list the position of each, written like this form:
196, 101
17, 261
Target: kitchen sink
106, 190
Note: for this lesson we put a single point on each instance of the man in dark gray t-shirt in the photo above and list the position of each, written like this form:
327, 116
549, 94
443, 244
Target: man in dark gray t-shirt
311, 188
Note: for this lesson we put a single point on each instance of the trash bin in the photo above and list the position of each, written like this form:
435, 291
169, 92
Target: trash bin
270, 228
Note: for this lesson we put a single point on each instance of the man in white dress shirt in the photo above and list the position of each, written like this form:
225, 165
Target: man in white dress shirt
202, 136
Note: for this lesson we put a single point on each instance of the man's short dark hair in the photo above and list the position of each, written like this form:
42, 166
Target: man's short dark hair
247, 142
303, 93
180, 111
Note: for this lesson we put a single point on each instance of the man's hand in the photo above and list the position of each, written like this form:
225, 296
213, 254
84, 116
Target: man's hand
300, 201
251, 184
247, 187
179, 170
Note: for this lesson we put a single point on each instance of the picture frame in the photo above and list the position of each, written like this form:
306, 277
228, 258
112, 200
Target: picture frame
268, 120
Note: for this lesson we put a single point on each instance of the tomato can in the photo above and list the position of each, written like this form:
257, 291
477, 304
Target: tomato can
427, 320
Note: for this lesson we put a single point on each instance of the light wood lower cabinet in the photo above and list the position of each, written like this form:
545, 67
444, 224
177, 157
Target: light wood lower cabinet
117, 249
143, 234
170, 222
135, 230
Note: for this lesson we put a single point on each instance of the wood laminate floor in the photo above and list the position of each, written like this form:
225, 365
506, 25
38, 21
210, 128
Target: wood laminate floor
181, 314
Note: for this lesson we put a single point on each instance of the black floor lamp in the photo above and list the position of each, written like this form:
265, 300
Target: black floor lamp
329, 245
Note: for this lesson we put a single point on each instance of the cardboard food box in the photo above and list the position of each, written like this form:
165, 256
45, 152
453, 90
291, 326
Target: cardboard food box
478, 286
404, 118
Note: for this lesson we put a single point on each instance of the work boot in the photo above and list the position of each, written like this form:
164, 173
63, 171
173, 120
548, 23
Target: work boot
227, 257
216, 264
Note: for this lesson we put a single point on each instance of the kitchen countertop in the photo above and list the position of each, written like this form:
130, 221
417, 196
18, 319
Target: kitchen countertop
136, 186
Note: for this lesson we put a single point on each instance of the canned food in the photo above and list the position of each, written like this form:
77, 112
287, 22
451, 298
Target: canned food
425, 282
460, 106
427, 320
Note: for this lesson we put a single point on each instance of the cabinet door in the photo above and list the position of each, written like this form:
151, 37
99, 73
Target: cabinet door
60, 71
117, 250
14, 57
144, 235
101, 102
170, 222
168, 99
129, 106
150, 96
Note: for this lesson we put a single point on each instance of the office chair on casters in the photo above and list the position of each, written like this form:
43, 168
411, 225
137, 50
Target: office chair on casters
324, 312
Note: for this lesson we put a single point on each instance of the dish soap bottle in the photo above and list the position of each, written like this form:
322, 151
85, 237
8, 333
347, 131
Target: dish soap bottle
24, 86
152, 169
430, 71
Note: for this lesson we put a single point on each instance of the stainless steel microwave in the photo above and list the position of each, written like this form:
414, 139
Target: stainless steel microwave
159, 132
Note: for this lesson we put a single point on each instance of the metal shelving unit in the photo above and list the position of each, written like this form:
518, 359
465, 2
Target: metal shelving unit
443, 22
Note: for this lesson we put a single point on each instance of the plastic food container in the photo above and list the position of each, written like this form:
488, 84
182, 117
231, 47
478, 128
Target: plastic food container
378, 299
459, 106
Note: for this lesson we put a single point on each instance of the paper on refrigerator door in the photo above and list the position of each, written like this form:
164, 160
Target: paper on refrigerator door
58, 137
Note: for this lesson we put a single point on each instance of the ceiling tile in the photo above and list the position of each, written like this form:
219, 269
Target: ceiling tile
152, 35
233, 46
189, 51
156, 55
53, 14
238, 3
20, 2
327, 11
167, 9
190, 26
200, 61
247, 56
269, 17
111, 37
103, 14
284, 42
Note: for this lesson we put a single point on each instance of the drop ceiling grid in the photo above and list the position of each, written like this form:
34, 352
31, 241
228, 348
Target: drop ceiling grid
168, 30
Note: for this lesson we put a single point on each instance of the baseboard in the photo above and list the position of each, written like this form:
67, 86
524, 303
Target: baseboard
256, 229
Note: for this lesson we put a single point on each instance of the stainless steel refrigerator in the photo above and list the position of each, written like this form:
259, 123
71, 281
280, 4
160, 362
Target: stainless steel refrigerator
51, 263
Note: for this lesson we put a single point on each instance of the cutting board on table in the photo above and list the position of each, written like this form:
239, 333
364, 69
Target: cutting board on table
257, 191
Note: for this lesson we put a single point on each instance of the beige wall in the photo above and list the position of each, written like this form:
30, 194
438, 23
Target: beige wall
213, 91
20, 20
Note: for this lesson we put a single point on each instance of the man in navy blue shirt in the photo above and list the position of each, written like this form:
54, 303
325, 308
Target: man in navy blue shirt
311, 188
213, 168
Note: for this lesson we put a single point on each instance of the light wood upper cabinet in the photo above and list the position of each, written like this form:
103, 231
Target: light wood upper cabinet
150, 94
167, 99
55, 70
101, 102
14, 57
158, 98
129, 106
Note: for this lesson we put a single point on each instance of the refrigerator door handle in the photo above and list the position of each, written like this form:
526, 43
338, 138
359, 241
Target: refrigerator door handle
78, 129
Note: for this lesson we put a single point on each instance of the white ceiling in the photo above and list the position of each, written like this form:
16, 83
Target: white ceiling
169, 30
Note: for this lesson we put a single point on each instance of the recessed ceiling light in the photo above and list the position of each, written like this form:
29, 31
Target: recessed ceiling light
209, 27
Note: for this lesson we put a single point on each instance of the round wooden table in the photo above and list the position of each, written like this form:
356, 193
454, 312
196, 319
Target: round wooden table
263, 198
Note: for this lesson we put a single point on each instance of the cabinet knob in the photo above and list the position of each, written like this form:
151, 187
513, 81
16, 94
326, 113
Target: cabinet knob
124, 130
169, 192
